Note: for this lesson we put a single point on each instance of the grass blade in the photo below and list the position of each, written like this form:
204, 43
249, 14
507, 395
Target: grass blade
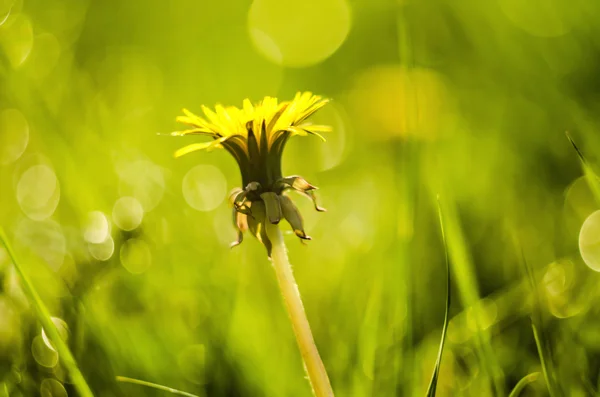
545, 364
434, 378
464, 275
527, 379
154, 386
590, 175
44, 317
536, 317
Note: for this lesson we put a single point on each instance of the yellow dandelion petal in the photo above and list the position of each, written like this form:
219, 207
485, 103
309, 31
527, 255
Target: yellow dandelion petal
303, 131
191, 115
311, 132
216, 144
311, 109
248, 107
192, 132
191, 119
212, 118
316, 128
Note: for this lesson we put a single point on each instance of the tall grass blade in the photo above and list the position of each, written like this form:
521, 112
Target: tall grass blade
543, 352
545, 364
125, 379
434, 378
44, 317
590, 175
527, 379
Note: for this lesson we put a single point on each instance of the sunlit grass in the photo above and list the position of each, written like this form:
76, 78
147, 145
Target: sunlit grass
127, 249
44, 318
434, 378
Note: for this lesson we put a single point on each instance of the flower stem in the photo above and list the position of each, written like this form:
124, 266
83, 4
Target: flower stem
291, 296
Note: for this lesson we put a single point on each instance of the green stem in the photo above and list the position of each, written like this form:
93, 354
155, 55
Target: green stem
291, 296
44, 317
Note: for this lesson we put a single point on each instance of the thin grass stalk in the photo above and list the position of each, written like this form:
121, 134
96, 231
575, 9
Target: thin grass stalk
536, 319
527, 379
462, 268
546, 369
590, 176
44, 317
315, 369
125, 379
431, 390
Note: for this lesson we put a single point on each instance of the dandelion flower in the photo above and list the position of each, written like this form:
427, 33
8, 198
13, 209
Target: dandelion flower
256, 135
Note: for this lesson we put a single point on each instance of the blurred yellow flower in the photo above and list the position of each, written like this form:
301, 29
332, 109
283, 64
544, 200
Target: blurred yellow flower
401, 102
256, 135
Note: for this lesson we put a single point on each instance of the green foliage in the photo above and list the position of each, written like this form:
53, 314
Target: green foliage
128, 247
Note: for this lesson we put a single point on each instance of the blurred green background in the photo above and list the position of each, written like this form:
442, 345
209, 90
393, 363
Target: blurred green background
128, 247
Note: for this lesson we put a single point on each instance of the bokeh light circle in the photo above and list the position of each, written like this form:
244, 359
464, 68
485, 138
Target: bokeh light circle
61, 327
16, 39
579, 203
136, 256
298, 33
143, 180
38, 192
6, 7
397, 101
44, 57
204, 187
14, 135
323, 155
589, 241
482, 315
96, 228
102, 251
128, 213
52, 388
42, 354
44, 238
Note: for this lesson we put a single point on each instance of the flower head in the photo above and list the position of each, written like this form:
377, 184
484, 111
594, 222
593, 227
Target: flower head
256, 135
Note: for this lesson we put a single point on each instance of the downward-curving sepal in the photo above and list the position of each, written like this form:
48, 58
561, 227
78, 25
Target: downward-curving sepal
240, 221
272, 207
238, 200
257, 227
298, 183
311, 195
293, 216
301, 185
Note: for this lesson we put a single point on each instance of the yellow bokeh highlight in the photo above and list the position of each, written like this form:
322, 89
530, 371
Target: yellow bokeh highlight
589, 241
38, 192
579, 203
52, 388
298, 33
127, 213
16, 39
44, 56
5, 10
204, 187
135, 256
14, 135
398, 101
